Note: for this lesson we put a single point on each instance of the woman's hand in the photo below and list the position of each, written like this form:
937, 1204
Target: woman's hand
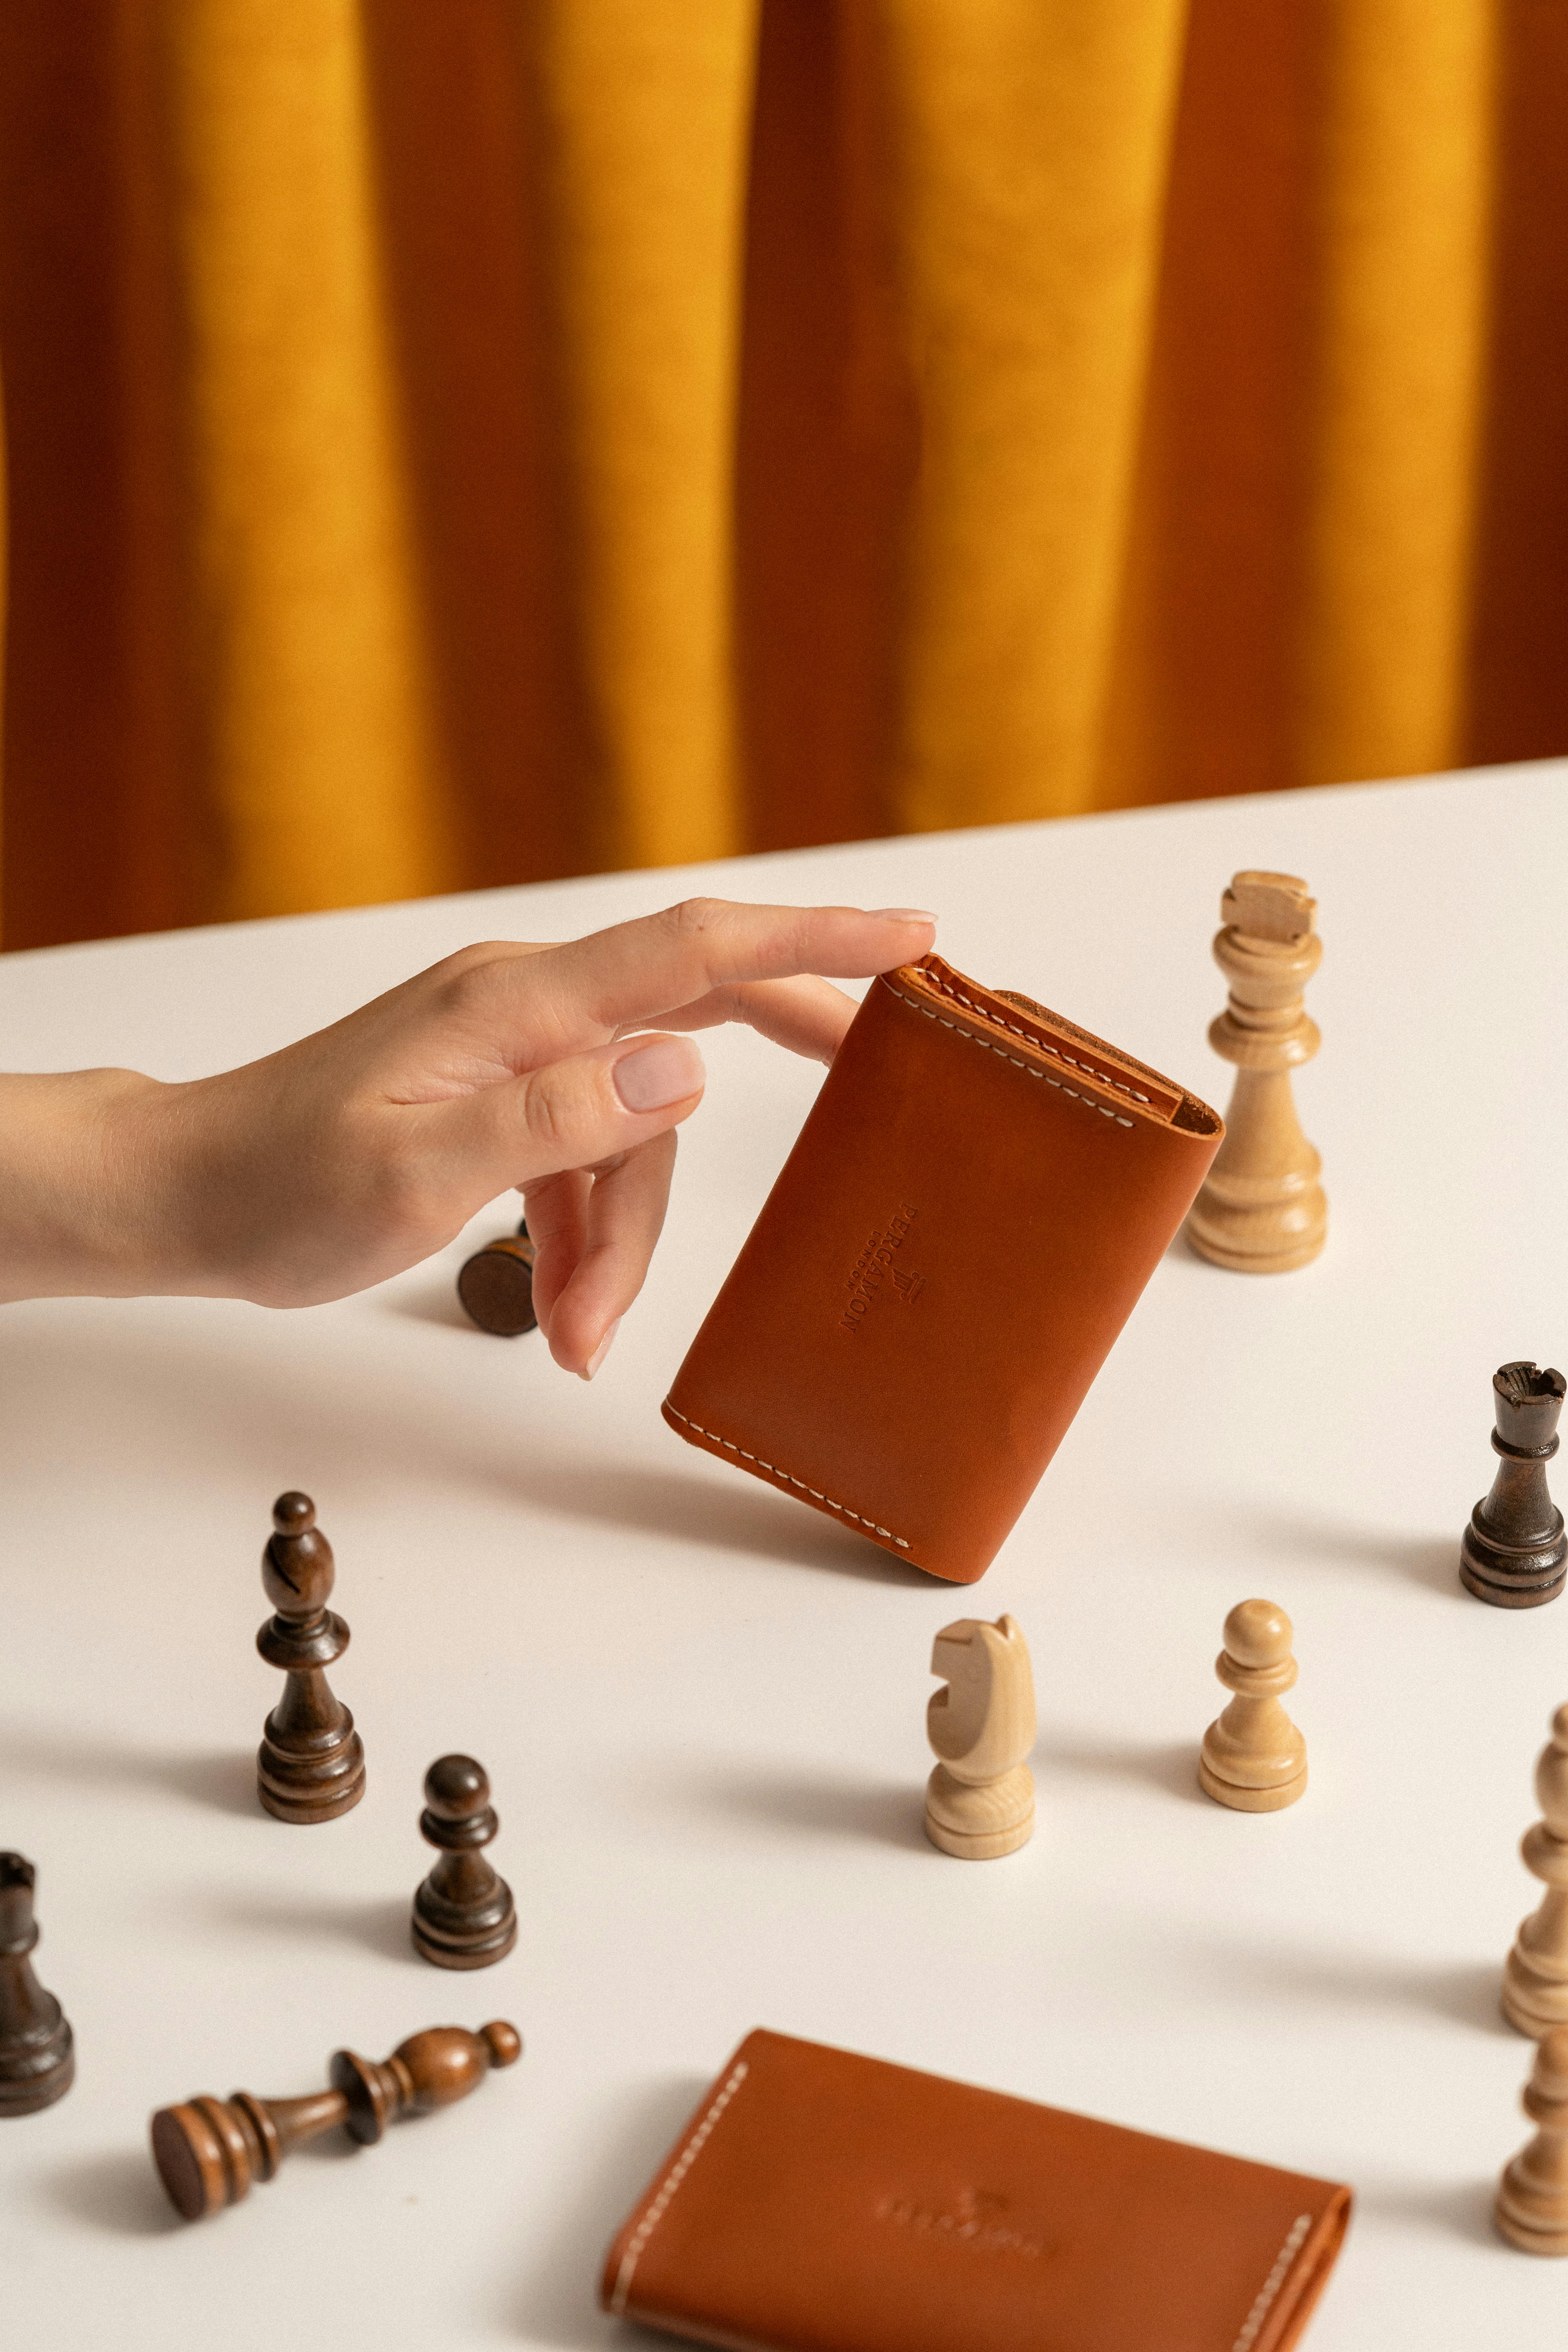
358, 1151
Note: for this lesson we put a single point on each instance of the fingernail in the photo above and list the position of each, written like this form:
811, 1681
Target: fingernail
601, 1351
664, 1072
903, 914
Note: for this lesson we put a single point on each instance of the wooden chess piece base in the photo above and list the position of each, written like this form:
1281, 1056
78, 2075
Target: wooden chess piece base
38, 2056
1260, 1223
304, 1775
1534, 1990
1532, 2208
1244, 1798
453, 1930
496, 1286
977, 1823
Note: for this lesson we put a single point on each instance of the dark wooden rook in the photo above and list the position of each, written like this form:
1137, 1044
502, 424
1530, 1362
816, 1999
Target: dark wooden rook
209, 2151
310, 1764
463, 1914
1514, 1553
496, 1286
37, 2057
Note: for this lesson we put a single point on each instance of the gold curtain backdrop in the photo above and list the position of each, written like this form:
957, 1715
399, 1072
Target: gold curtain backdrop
452, 445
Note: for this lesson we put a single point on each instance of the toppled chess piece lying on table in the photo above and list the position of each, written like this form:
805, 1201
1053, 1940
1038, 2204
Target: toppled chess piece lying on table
38, 2058
464, 1916
496, 1286
209, 2151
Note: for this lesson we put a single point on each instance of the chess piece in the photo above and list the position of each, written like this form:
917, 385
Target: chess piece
1254, 1759
979, 1800
310, 1764
209, 2151
1535, 1980
1261, 1209
496, 1285
463, 1914
1514, 1552
1532, 2209
38, 2058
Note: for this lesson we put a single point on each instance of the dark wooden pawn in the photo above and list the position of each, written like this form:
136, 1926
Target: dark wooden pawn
496, 1286
463, 1914
1514, 1553
209, 2151
38, 2056
310, 1764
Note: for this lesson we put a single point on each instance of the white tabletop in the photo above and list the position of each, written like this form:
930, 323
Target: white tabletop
702, 1705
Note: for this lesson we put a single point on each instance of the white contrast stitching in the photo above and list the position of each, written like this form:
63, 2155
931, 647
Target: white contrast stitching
774, 1471
1061, 1084
1272, 2284
676, 2175
1091, 1068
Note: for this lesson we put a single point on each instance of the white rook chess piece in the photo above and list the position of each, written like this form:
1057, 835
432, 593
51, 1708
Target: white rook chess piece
1535, 1980
1532, 2209
979, 1800
1254, 1759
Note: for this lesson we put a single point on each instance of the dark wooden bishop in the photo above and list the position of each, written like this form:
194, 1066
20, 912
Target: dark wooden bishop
496, 1286
463, 1914
1514, 1553
37, 2057
310, 1764
209, 2151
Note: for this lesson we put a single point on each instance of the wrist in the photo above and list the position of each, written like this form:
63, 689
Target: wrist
91, 1187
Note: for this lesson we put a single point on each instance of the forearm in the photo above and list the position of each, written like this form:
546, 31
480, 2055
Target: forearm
88, 1180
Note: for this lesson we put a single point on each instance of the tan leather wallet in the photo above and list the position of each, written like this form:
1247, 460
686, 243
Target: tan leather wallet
977, 1200
822, 2203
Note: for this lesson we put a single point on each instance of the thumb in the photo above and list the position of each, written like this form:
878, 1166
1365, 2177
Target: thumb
572, 1113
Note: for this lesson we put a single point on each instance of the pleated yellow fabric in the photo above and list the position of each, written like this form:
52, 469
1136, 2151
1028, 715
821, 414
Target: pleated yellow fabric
309, 688
451, 445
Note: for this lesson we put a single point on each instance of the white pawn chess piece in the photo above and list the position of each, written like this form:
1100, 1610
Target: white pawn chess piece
1532, 2209
1254, 1759
1535, 1980
979, 1800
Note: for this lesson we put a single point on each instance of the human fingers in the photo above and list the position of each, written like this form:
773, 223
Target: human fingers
625, 1215
572, 1113
808, 1015
557, 1213
614, 980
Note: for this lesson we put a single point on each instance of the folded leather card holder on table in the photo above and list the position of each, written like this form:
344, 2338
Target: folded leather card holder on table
977, 1200
822, 2203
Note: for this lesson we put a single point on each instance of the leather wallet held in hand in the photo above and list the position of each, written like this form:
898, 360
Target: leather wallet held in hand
979, 1195
821, 2202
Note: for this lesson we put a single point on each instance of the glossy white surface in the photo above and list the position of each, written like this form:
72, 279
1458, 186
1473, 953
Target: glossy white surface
702, 1707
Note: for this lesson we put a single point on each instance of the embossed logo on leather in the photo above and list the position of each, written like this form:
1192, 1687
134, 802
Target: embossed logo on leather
876, 1265
970, 2219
